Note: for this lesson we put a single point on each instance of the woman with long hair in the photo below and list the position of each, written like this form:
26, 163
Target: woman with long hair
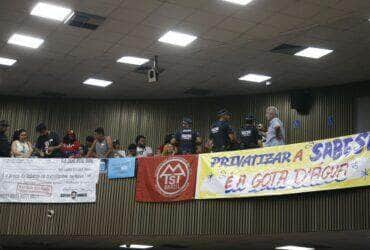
21, 146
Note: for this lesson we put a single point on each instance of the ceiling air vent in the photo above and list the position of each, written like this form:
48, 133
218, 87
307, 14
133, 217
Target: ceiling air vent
85, 20
287, 49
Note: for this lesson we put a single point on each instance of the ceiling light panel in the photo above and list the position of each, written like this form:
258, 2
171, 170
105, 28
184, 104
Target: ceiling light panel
25, 41
177, 38
133, 60
7, 61
254, 78
97, 82
51, 11
314, 53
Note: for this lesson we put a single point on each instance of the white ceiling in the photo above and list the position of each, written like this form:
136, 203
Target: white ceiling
232, 40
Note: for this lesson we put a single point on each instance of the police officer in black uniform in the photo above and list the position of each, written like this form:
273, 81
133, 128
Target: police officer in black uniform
249, 136
222, 135
187, 139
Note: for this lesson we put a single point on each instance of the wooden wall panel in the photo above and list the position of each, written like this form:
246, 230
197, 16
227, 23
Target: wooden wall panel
117, 214
126, 119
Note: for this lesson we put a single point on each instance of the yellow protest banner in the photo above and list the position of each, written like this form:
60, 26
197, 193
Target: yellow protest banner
337, 163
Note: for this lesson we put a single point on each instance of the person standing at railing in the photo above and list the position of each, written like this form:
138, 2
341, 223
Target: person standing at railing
167, 140
89, 141
71, 147
275, 135
102, 146
249, 136
142, 149
170, 149
187, 139
118, 152
4, 142
131, 150
222, 137
21, 146
48, 143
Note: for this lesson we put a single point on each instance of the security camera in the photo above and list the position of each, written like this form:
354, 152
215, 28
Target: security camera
152, 75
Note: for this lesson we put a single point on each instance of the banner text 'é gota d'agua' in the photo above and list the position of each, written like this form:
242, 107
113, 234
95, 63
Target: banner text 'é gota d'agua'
336, 163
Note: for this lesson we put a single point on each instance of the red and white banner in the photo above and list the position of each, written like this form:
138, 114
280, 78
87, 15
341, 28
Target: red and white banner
166, 179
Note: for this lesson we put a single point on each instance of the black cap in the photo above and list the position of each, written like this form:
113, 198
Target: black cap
223, 112
116, 142
187, 120
4, 124
249, 117
40, 127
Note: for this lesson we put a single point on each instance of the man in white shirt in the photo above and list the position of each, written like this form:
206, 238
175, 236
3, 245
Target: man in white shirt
275, 135
141, 149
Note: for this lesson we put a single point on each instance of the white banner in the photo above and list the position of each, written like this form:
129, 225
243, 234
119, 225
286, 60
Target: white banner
48, 180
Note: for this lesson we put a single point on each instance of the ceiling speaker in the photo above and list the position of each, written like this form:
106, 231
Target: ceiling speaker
301, 101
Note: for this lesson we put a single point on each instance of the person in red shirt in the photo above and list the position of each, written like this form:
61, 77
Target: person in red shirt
71, 147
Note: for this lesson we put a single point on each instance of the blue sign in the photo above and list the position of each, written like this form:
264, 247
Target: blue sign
296, 124
121, 167
330, 121
103, 166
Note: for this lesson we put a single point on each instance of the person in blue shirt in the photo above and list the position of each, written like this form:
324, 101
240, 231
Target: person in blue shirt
222, 137
187, 139
248, 135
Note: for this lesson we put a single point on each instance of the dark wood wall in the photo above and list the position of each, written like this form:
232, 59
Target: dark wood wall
117, 214
126, 119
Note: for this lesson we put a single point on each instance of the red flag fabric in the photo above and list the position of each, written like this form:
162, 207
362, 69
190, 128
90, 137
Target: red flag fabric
166, 179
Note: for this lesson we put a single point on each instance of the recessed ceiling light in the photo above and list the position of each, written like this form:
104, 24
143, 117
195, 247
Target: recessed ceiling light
294, 248
254, 78
136, 246
177, 38
97, 82
7, 61
133, 60
312, 52
241, 2
26, 41
50, 11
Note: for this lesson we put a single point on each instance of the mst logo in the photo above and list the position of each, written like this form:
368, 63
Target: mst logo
172, 176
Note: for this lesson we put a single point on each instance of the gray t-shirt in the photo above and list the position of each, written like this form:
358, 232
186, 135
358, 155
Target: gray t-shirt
271, 139
101, 148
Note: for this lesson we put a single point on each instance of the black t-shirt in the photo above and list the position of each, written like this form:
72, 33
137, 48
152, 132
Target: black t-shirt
187, 141
4, 146
49, 140
85, 149
249, 136
220, 131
